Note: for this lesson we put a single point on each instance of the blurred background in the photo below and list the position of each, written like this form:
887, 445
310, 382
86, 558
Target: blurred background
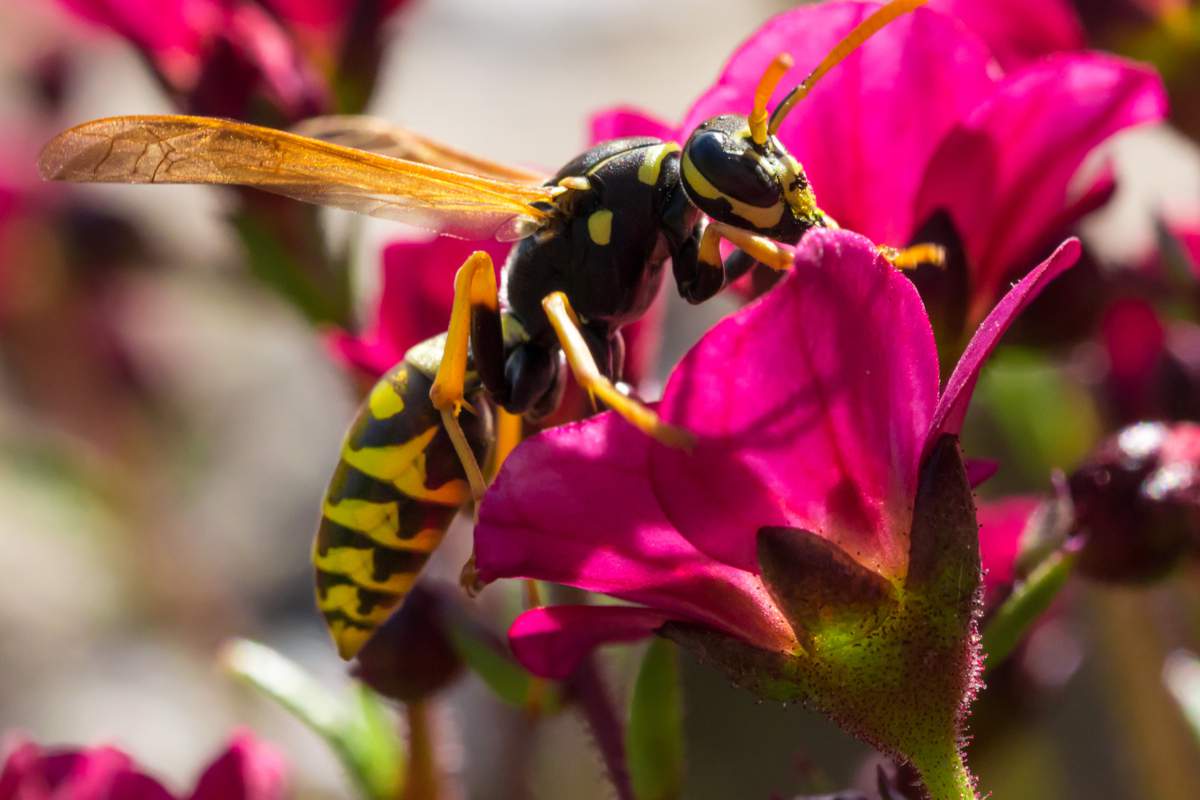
170, 412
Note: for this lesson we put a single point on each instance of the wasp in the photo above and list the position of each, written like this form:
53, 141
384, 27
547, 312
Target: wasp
592, 242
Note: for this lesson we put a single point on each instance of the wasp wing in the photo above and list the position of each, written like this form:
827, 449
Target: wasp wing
379, 136
182, 149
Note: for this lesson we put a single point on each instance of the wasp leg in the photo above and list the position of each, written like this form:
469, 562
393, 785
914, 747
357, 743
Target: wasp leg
508, 436
566, 326
475, 300
699, 269
915, 256
760, 248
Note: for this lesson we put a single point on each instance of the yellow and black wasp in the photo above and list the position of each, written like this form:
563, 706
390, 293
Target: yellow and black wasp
594, 239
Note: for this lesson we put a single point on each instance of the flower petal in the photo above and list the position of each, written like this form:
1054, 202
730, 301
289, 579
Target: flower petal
811, 407
952, 406
98, 773
1001, 523
551, 642
575, 505
414, 303
1025, 145
1017, 31
622, 121
249, 769
866, 132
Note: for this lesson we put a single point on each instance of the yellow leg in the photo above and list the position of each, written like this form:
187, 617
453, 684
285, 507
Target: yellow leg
589, 376
508, 436
760, 248
915, 256
474, 285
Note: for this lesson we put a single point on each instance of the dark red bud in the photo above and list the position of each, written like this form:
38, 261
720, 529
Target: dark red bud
1137, 502
411, 657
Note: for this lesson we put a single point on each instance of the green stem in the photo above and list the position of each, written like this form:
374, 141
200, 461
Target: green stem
947, 778
1027, 602
422, 781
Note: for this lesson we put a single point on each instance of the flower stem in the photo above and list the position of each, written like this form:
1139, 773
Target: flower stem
947, 777
421, 782
1027, 602
588, 690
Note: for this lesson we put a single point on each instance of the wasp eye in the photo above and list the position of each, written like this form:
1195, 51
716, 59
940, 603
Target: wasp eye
733, 167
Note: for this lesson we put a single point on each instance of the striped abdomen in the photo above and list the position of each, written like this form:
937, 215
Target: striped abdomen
393, 495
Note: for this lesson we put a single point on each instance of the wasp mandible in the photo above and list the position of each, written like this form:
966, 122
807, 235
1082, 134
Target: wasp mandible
593, 241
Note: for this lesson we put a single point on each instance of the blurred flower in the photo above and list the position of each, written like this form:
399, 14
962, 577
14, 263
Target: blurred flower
791, 530
1018, 31
1149, 333
247, 770
414, 302
412, 655
1137, 502
219, 56
1001, 525
916, 137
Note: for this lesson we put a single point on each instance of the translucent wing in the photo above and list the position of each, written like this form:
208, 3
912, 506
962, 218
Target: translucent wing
378, 136
181, 149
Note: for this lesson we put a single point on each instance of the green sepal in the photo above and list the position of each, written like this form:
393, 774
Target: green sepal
829, 598
507, 679
654, 736
904, 684
358, 728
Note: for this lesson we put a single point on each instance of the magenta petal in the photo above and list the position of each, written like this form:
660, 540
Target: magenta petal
1001, 523
1025, 145
248, 770
980, 470
811, 407
551, 642
98, 773
1018, 31
866, 132
414, 303
575, 505
616, 123
952, 406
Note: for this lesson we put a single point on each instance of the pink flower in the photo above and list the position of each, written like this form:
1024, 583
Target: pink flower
1018, 31
247, 770
918, 136
819, 544
1001, 525
214, 53
414, 301
324, 25
813, 408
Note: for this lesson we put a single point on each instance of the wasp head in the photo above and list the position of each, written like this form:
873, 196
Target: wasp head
756, 187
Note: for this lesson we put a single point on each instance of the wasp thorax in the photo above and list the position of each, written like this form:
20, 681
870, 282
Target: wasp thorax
754, 187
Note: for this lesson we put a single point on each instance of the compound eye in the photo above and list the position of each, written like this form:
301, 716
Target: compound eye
733, 167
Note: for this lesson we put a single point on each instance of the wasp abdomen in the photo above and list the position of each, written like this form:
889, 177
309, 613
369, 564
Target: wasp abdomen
394, 493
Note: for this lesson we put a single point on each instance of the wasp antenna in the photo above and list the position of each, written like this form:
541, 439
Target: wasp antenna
762, 95
863, 31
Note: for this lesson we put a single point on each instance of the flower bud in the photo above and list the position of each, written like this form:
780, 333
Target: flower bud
410, 656
1137, 502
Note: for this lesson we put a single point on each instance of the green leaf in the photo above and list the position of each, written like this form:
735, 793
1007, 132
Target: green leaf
1047, 411
1028, 601
654, 738
511, 682
358, 728
374, 743
1181, 673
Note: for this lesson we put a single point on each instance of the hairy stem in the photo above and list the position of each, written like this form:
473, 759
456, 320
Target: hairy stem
587, 688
